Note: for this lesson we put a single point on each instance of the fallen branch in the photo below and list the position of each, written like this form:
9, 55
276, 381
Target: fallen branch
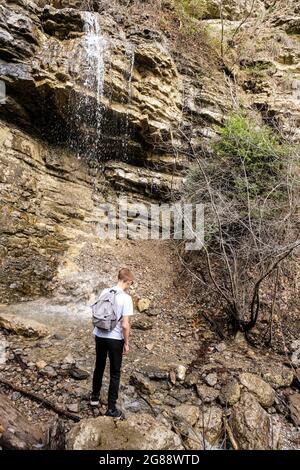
230, 435
20, 361
44, 401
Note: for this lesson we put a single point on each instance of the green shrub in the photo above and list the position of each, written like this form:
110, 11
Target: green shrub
248, 162
249, 186
189, 11
193, 8
253, 153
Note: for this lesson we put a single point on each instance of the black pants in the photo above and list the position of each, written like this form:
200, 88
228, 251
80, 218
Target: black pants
114, 348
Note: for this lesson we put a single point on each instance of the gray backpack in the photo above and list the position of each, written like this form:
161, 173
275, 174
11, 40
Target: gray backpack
104, 311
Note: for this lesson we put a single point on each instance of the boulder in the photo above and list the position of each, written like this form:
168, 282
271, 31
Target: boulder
206, 393
138, 432
210, 423
262, 391
189, 413
230, 393
294, 405
22, 326
251, 425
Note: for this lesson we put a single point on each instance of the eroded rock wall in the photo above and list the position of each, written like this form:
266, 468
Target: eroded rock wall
102, 104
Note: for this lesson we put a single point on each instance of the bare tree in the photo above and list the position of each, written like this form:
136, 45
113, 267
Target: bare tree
250, 190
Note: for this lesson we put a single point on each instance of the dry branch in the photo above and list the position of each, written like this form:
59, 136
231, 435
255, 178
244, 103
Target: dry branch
44, 401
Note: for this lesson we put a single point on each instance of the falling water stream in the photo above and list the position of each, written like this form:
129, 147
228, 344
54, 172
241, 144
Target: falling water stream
90, 62
87, 65
95, 45
129, 52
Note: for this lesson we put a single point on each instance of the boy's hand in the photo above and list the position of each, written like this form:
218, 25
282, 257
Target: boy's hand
125, 348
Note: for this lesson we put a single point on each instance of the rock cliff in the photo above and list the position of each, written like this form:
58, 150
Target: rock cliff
105, 100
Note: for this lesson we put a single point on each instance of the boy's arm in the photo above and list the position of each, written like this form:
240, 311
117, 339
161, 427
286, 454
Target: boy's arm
127, 311
126, 329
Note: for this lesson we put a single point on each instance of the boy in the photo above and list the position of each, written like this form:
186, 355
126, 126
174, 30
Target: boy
115, 343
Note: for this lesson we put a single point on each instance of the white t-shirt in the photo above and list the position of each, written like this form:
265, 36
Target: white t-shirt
124, 308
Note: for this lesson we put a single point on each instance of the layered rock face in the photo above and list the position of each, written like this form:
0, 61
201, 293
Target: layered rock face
261, 47
39, 216
52, 206
80, 97
98, 104
76, 73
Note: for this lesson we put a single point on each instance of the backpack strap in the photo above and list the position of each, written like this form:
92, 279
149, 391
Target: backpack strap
116, 292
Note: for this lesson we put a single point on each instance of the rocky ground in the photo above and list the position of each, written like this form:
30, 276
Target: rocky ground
202, 392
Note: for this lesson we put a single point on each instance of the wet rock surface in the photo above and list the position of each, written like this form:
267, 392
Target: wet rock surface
59, 62
17, 325
143, 91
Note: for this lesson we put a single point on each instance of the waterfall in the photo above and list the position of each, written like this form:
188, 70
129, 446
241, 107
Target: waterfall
95, 45
87, 65
90, 62
129, 53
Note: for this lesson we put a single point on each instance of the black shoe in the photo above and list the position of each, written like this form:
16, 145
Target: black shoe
94, 400
115, 413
